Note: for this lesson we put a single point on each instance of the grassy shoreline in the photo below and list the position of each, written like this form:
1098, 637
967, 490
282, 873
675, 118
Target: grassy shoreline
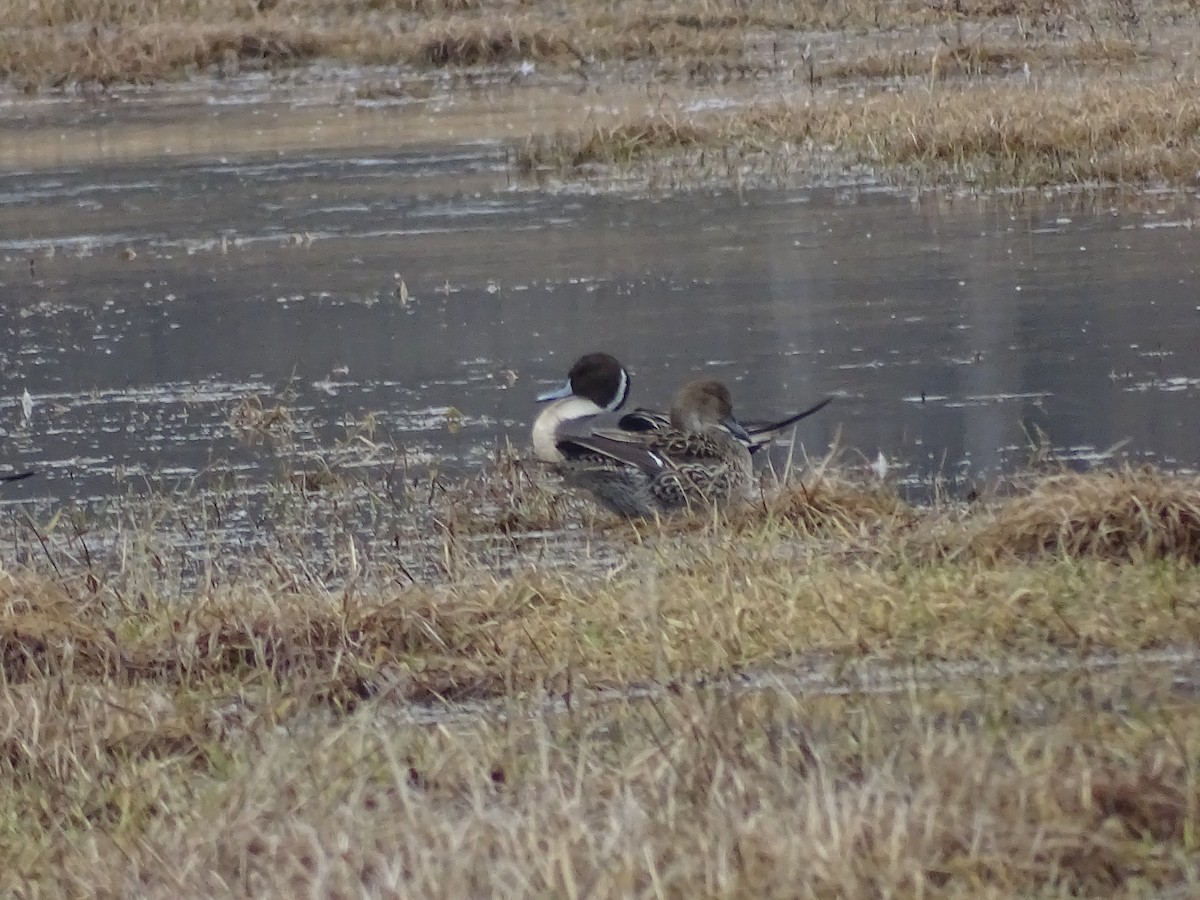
1080, 92
159, 733
1025, 136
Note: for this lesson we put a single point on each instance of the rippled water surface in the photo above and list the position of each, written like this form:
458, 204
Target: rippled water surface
148, 298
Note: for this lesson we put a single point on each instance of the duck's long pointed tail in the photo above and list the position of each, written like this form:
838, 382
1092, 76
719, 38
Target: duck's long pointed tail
762, 433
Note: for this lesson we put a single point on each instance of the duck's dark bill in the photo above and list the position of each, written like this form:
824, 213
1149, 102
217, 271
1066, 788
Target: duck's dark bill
734, 427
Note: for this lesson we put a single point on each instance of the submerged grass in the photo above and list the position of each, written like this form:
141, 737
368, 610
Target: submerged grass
250, 730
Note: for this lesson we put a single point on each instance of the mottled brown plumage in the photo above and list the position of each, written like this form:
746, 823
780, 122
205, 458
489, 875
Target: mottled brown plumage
701, 459
762, 432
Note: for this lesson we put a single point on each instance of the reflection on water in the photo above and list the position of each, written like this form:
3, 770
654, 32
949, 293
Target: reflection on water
143, 302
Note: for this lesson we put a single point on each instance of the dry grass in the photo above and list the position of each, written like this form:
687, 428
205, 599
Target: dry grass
246, 730
152, 53
1084, 786
984, 93
983, 59
466, 43
830, 504
1122, 516
613, 145
1101, 131
698, 16
62, 42
510, 495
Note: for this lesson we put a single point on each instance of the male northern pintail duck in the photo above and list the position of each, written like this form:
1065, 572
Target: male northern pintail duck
600, 378
701, 458
597, 384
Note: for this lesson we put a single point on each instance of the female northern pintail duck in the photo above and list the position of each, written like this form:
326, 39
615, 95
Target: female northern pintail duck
700, 458
758, 433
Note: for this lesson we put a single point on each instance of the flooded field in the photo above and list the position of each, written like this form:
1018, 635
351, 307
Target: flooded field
427, 291
229, 294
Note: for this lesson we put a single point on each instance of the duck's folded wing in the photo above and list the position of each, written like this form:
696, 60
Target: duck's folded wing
16, 477
668, 448
612, 449
762, 431
642, 420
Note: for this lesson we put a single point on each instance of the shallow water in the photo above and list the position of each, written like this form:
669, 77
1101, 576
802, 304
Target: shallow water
1106, 682
148, 294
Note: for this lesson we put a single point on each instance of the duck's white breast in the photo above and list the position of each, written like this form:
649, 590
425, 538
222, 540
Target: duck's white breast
546, 426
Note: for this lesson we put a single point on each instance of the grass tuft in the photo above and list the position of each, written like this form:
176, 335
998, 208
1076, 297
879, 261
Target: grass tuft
1121, 516
981, 60
511, 494
611, 145
833, 504
467, 43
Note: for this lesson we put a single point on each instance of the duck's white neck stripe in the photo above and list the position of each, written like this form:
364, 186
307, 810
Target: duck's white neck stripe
621, 395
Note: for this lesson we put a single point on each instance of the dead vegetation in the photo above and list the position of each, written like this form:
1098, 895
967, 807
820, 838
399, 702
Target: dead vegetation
252, 723
1121, 516
152, 53
1088, 133
987, 94
510, 495
64, 42
464, 42
250, 417
980, 58
612, 145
